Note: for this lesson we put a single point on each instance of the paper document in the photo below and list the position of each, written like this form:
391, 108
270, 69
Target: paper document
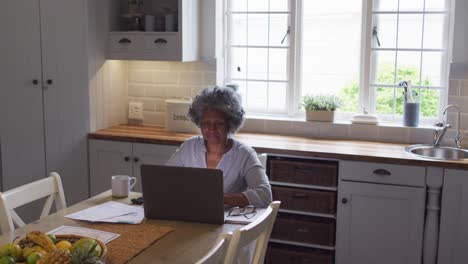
111, 212
104, 236
241, 219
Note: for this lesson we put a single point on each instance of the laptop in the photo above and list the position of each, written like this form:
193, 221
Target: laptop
183, 193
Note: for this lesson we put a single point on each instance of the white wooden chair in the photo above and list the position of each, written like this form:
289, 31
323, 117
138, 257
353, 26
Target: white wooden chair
258, 230
217, 254
14, 198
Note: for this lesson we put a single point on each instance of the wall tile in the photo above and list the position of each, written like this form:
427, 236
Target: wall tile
140, 76
454, 87
332, 130
194, 90
449, 138
154, 118
363, 132
179, 66
278, 127
452, 120
421, 135
166, 77
160, 65
461, 101
393, 134
193, 78
156, 91
305, 129
464, 87
149, 104
139, 65
205, 66
137, 89
209, 78
253, 125
177, 91
159, 105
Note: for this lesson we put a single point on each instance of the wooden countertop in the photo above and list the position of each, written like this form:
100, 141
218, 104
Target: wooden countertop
286, 145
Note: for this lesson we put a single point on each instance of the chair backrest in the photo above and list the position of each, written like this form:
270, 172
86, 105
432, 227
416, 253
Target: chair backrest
217, 254
50, 187
258, 230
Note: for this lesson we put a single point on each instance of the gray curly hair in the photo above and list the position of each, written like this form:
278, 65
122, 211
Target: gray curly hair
220, 98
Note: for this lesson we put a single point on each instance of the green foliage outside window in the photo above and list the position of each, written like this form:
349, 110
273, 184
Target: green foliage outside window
384, 96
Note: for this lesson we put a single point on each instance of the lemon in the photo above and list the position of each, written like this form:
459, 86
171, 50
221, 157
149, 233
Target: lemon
64, 244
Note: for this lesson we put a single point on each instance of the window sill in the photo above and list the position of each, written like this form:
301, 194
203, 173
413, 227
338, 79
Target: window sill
340, 129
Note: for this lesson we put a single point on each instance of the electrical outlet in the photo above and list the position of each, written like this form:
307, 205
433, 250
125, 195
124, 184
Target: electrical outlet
135, 111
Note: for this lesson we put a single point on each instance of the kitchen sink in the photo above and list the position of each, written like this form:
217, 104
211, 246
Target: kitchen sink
437, 152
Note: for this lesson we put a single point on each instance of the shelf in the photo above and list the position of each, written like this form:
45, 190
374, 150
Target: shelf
301, 244
316, 187
307, 213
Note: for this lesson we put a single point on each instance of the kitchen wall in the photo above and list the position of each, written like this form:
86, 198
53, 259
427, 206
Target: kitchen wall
152, 82
458, 94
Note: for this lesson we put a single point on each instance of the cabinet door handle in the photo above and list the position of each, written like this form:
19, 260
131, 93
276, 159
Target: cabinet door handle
136, 159
124, 41
382, 172
35, 82
160, 41
49, 81
127, 158
344, 200
300, 196
303, 230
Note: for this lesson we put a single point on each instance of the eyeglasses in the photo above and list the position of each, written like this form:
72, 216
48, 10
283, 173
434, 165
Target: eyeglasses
214, 124
248, 212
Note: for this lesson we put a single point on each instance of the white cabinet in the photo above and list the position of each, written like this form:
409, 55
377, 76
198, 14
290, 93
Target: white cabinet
44, 98
109, 158
453, 239
178, 45
379, 223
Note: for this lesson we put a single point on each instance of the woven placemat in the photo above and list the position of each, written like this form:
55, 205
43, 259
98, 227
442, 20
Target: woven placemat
132, 240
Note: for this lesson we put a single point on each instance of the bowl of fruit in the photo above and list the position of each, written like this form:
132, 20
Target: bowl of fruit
39, 248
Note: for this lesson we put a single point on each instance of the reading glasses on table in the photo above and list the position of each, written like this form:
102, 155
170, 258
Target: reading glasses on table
248, 212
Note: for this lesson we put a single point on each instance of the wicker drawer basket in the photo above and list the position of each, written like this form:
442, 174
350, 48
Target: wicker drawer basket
319, 173
305, 229
315, 201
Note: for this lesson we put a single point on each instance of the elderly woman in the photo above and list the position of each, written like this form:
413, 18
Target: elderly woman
219, 114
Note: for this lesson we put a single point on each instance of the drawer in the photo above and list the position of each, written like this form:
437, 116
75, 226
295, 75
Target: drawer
287, 254
163, 46
383, 173
304, 229
313, 172
313, 201
125, 42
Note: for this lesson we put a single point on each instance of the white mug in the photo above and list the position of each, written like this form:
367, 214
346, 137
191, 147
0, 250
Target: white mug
122, 184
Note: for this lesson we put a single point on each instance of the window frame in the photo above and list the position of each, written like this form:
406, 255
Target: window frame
366, 90
369, 101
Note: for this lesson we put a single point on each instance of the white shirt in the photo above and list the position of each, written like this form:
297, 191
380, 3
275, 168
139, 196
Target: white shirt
242, 171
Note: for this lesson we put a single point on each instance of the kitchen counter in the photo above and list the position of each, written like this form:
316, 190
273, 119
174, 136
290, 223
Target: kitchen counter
366, 151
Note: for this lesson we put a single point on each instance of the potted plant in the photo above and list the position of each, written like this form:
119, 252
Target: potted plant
320, 107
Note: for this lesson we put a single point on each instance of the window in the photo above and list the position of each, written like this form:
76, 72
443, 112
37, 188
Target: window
280, 50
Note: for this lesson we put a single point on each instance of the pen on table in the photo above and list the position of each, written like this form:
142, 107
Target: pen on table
131, 213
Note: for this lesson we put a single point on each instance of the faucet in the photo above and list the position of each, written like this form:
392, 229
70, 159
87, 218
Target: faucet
439, 133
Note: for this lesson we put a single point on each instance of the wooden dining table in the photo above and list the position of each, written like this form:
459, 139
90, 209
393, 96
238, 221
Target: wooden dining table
186, 244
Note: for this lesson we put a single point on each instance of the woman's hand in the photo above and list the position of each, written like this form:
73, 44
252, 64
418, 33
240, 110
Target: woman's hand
236, 199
